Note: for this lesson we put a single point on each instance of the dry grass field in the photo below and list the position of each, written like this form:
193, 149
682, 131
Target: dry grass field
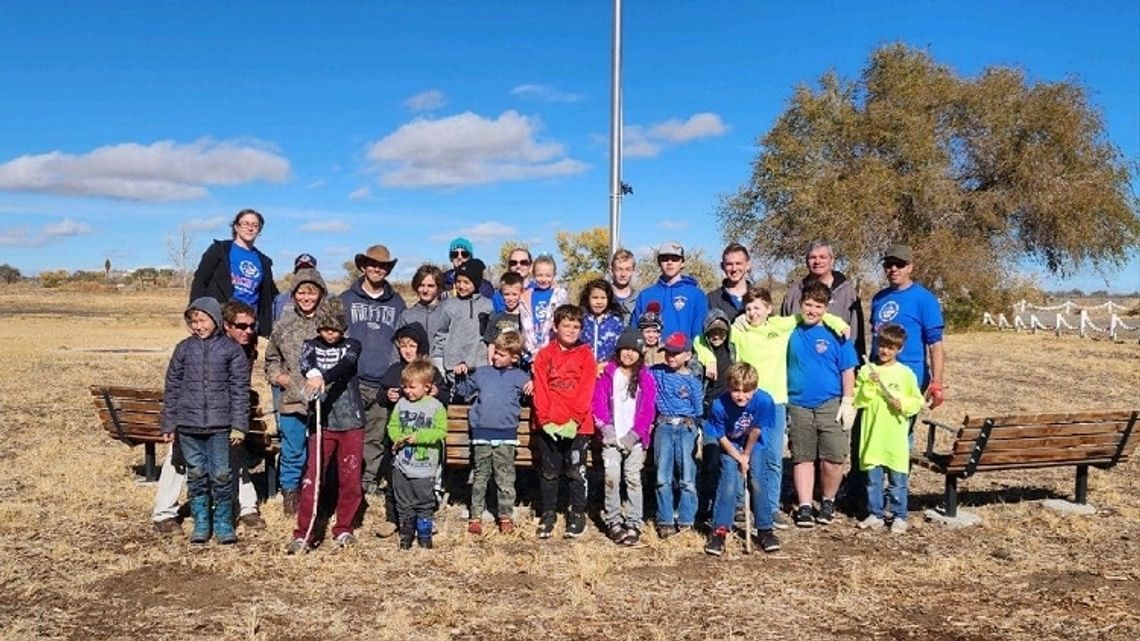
79, 560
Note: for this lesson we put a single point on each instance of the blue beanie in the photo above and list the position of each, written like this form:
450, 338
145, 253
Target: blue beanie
461, 243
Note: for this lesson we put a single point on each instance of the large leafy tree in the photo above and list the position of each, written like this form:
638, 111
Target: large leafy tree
977, 174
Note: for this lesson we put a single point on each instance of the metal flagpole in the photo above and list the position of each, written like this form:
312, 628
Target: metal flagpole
615, 133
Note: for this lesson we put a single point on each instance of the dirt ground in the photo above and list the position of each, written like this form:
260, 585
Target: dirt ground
79, 560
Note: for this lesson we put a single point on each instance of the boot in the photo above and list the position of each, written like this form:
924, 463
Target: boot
407, 533
290, 499
423, 532
200, 512
224, 523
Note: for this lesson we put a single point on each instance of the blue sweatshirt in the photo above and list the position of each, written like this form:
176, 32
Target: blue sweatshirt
678, 393
683, 306
373, 321
494, 416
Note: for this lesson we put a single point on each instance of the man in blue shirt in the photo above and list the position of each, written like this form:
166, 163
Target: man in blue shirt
912, 307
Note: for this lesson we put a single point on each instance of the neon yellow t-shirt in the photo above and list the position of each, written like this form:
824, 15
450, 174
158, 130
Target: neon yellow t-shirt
883, 431
765, 347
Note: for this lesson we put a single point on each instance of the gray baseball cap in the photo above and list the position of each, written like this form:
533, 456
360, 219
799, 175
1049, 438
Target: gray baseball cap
671, 248
900, 252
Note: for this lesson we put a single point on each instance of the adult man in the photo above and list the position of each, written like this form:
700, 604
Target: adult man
912, 306
519, 261
845, 303
458, 252
622, 269
735, 263
373, 309
240, 324
683, 304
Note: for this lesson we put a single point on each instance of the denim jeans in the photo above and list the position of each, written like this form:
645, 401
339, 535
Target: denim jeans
896, 492
294, 430
628, 463
771, 470
674, 453
170, 483
730, 487
208, 465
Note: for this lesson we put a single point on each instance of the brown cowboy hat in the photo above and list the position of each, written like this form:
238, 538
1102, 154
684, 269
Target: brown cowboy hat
376, 254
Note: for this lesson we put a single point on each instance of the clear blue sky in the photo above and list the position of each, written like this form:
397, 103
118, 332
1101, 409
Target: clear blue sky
402, 123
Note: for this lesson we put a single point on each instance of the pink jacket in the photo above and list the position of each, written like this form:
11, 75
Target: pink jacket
603, 402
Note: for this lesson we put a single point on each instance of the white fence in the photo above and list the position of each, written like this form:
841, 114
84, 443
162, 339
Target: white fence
1067, 316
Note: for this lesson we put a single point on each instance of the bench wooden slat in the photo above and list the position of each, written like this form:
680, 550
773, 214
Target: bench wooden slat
1056, 418
1049, 429
1012, 444
1058, 456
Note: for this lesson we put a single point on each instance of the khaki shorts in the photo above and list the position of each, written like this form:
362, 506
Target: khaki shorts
813, 433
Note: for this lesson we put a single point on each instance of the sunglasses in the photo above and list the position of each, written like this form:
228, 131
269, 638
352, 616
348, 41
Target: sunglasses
669, 258
894, 263
245, 327
515, 263
459, 253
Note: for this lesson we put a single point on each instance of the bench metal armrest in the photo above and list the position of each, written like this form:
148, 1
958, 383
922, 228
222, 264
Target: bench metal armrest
931, 425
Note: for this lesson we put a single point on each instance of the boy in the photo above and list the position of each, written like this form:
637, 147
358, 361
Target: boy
459, 340
329, 364
650, 325
680, 404
714, 354
622, 269
564, 374
494, 419
418, 427
739, 420
509, 317
682, 303
889, 396
206, 400
821, 382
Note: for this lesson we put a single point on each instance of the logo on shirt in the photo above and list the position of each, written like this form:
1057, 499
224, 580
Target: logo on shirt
821, 346
248, 269
679, 302
683, 392
741, 425
889, 311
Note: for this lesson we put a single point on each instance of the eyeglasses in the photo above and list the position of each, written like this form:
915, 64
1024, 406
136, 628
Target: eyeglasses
515, 263
245, 327
459, 253
669, 258
248, 225
894, 263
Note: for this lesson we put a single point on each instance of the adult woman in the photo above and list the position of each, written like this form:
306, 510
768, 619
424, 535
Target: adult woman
235, 270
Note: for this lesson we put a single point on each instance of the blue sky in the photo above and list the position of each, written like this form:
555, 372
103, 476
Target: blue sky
401, 123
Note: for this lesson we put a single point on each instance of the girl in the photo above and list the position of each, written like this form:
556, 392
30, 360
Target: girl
542, 300
623, 406
236, 270
602, 323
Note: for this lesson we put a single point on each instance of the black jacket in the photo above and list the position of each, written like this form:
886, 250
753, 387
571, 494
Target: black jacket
212, 278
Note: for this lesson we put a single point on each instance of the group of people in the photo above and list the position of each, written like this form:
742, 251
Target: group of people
712, 385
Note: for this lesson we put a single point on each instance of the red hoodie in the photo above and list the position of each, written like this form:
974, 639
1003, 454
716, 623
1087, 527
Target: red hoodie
564, 386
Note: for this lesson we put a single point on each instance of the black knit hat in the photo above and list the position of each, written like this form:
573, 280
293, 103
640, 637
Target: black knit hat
630, 339
473, 270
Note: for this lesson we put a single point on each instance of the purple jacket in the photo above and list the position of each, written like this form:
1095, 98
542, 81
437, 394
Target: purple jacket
603, 402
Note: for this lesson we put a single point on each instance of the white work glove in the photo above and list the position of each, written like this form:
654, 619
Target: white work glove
609, 437
846, 414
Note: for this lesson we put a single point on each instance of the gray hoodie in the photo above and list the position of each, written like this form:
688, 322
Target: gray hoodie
459, 338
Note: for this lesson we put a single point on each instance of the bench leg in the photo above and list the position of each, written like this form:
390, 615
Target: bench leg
149, 471
951, 496
1082, 484
270, 475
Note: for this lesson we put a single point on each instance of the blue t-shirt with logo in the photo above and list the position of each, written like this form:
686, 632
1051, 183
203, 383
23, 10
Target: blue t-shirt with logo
817, 358
732, 421
245, 274
540, 302
917, 311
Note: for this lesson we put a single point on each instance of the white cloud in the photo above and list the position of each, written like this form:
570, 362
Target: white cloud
635, 143
426, 100
364, 193
702, 125
468, 149
673, 224
206, 224
22, 237
482, 232
316, 184
325, 227
163, 170
546, 93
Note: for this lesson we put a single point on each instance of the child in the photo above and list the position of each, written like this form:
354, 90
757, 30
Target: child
417, 427
206, 400
739, 421
564, 374
623, 405
329, 364
680, 404
542, 300
602, 323
761, 340
458, 341
509, 318
714, 354
494, 419
427, 310
821, 411
889, 396
650, 325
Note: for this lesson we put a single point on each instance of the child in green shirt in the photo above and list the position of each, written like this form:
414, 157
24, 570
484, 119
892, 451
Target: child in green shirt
417, 427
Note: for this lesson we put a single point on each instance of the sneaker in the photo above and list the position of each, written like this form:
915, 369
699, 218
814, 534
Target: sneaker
803, 517
424, 542
385, 529
344, 539
252, 521
575, 524
715, 545
780, 521
666, 531
826, 512
168, 526
475, 526
632, 536
297, 546
898, 526
872, 522
767, 541
617, 532
546, 525
682, 529
506, 525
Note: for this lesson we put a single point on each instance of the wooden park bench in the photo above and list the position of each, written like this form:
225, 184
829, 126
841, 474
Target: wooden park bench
458, 444
134, 416
1096, 438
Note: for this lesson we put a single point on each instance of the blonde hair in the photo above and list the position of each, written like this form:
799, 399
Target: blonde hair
546, 258
510, 342
742, 376
418, 370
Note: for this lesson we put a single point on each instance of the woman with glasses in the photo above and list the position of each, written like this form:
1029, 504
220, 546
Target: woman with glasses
236, 270
460, 251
